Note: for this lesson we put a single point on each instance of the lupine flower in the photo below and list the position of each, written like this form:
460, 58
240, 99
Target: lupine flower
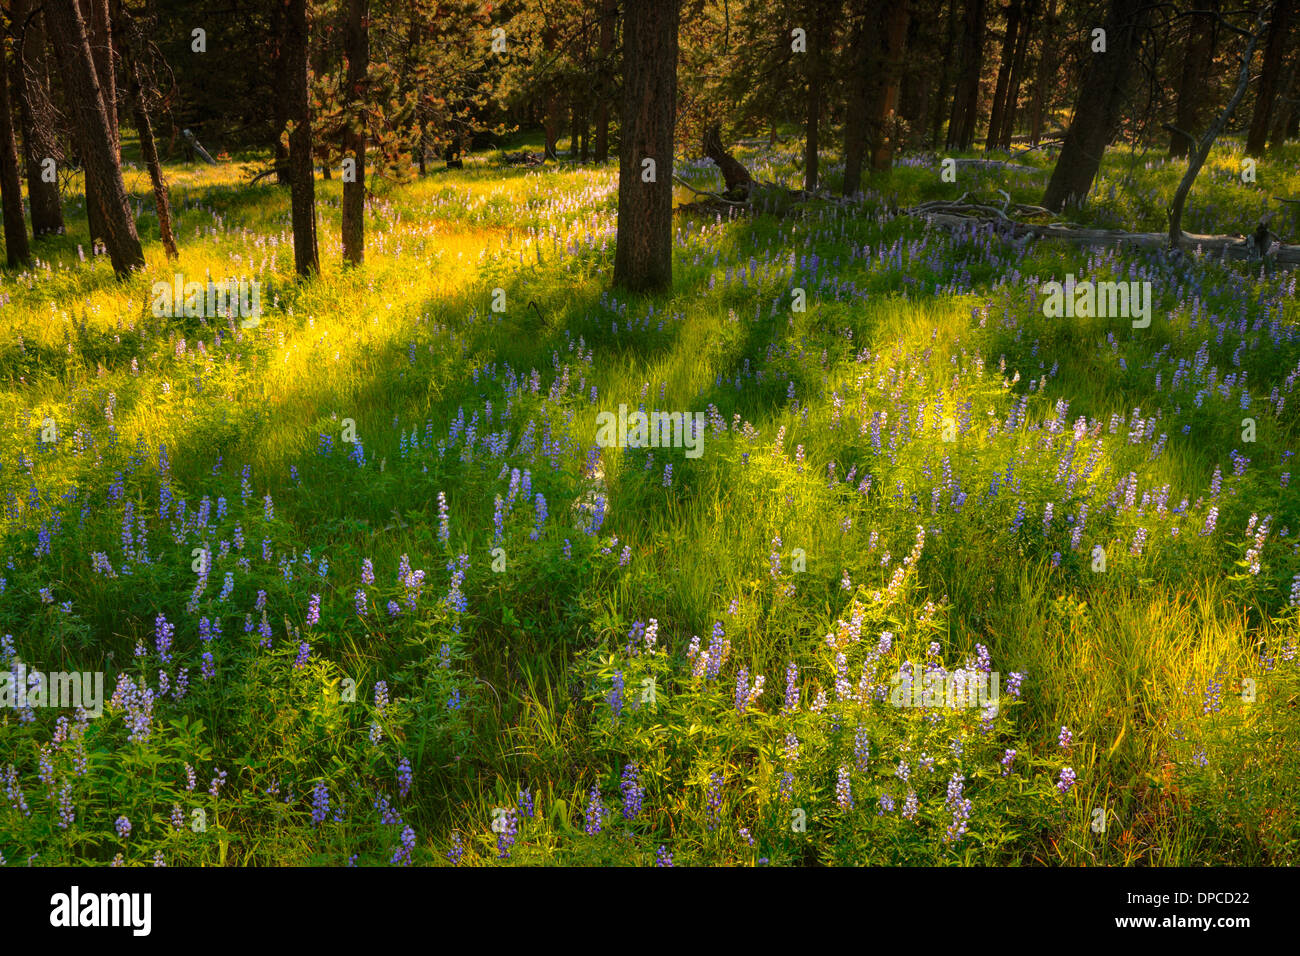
313, 610
844, 790
1067, 779
595, 811
662, 857
633, 793
404, 777
1065, 738
714, 804
320, 803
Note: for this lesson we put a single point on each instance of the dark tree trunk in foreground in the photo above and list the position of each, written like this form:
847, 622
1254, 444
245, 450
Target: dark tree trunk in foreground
103, 171
302, 181
965, 103
608, 16
1097, 111
149, 150
17, 252
31, 88
1202, 37
95, 13
356, 43
887, 85
643, 257
1270, 77
938, 106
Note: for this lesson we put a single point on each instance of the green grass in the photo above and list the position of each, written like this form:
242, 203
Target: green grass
513, 691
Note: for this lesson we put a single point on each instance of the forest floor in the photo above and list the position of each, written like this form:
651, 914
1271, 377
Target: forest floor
365, 587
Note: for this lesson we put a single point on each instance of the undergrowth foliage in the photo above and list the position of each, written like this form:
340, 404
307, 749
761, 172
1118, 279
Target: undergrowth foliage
366, 589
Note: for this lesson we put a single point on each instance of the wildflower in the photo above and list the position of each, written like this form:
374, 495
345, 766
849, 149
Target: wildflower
595, 811
1007, 758
1066, 780
615, 696
404, 777
633, 793
844, 790
662, 857
506, 835
313, 610
320, 803
457, 849
1065, 738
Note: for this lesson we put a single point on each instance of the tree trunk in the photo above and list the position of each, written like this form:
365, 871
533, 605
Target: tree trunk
95, 13
1016, 77
1285, 109
1202, 37
149, 151
36, 115
1097, 111
608, 17
356, 42
894, 38
1269, 77
935, 123
1197, 159
965, 104
17, 252
856, 114
813, 100
302, 181
280, 99
1005, 60
1046, 73
103, 170
643, 257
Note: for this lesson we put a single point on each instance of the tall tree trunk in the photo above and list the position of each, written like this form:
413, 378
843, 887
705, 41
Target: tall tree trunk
1028, 23
1097, 112
280, 98
575, 123
356, 42
302, 181
1045, 75
95, 13
1285, 108
149, 151
1005, 60
643, 257
813, 100
608, 17
965, 103
894, 38
103, 169
1198, 54
938, 104
36, 114
17, 252
859, 92
1270, 77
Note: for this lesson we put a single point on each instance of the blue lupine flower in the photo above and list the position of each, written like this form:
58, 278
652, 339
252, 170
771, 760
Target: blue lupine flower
633, 793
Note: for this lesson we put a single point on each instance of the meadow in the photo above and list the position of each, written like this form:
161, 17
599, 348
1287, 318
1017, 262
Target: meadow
366, 590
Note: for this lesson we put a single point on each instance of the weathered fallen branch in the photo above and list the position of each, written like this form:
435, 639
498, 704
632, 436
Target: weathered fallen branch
959, 215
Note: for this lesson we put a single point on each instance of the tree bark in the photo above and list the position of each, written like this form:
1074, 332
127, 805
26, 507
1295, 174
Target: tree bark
1102, 91
1046, 73
859, 93
1270, 77
1028, 23
608, 17
103, 169
1197, 159
36, 114
965, 104
813, 99
302, 181
643, 257
17, 252
894, 38
1005, 60
935, 123
95, 13
357, 45
280, 99
149, 151
1202, 38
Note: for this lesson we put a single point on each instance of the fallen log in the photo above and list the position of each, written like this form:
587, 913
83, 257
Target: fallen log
958, 215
